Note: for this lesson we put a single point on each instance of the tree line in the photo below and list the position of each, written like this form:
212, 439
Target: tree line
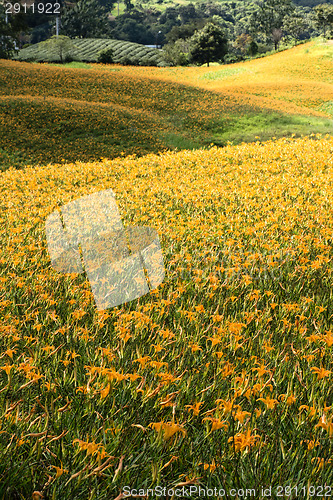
209, 31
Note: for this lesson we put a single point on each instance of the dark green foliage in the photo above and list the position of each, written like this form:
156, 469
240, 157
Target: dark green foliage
170, 14
134, 31
230, 59
7, 42
106, 56
324, 17
208, 45
310, 3
9, 33
40, 32
294, 26
272, 13
185, 30
187, 12
87, 19
253, 48
177, 53
134, 26
128, 4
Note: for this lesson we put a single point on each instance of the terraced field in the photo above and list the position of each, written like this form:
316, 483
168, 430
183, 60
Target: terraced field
88, 50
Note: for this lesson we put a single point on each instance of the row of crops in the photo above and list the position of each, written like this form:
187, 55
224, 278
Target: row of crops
89, 50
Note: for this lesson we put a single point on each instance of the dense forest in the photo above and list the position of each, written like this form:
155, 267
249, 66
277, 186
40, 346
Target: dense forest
249, 27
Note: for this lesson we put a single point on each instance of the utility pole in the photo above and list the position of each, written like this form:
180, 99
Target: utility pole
57, 26
157, 39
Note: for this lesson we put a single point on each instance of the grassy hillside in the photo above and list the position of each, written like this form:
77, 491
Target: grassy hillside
88, 50
51, 113
297, 81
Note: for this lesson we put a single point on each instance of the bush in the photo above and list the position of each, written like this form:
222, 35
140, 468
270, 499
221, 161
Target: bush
230, 59
106, 56
177, 54
263, 48
253, 48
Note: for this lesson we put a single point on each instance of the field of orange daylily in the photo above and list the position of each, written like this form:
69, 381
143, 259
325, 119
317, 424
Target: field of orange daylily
104, 111
222, 376
296, 81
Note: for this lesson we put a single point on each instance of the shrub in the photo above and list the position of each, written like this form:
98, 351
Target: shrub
177, 53
106, 56
263, 48
253, 48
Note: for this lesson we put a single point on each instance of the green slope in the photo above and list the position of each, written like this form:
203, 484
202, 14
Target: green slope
88, 50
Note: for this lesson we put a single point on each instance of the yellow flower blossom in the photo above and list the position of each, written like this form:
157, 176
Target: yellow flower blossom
241, 441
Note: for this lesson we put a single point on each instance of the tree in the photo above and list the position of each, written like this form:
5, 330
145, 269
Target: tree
61, 46
7, 42
177, 53
227, 26
187, 13
87, 19
185, 30
253, 48
134, 31
324, 16
170, 14
10, 32
208, 45
137, 26
210, 9
128, 5
294, 26
276, 37
271, 15
242, 42
106, 56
